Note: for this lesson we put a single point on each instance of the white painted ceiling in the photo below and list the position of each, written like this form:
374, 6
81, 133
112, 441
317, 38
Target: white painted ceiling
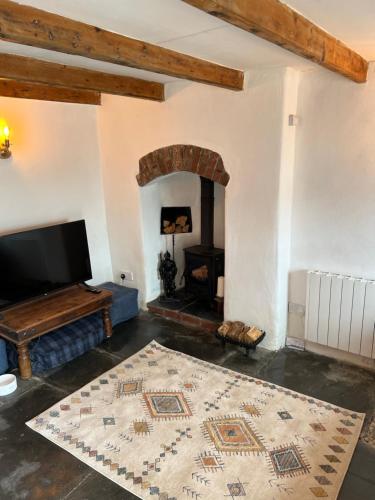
178, 26
351, 21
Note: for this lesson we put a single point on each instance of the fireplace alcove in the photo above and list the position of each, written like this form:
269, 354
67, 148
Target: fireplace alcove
182, 175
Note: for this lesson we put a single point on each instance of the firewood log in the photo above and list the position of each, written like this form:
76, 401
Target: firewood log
236, 330
225, 328
181, 220
252, 334
201, 273
170, 229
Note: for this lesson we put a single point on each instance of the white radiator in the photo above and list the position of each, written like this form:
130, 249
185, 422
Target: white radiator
340, 312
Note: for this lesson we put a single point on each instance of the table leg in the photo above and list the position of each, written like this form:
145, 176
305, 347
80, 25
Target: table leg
107, 322
24, 362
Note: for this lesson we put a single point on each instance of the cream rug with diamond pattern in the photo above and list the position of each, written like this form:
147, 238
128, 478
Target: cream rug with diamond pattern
167, 426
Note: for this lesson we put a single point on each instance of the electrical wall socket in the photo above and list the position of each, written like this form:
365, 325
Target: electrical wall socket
297, 309
126, 276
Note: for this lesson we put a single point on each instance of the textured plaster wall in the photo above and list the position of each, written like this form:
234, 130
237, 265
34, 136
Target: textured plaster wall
180, 189
247, 130
54, 174
334, 200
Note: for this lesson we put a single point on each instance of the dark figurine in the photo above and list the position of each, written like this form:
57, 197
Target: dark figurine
168, 271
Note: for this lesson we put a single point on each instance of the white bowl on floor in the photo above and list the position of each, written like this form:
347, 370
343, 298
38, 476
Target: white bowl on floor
8, 384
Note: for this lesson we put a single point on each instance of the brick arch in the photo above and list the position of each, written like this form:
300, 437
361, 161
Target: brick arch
182, 158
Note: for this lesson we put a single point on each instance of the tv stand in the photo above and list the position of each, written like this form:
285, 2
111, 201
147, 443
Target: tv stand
25, 322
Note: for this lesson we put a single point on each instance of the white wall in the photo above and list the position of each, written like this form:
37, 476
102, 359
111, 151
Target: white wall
54, 174
246, 129
178, 189
285, 199
334, 191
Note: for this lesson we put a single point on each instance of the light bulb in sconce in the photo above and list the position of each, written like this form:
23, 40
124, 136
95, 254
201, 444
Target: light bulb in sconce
5, 151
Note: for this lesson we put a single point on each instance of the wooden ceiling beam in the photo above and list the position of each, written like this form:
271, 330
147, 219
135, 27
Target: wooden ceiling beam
276, 22
24, 90
35, 27
28, 69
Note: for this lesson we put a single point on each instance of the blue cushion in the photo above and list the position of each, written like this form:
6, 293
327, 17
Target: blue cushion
3, 357
62, 345
125, 302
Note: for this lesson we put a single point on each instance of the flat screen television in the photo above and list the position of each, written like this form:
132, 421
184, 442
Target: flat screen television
39, 261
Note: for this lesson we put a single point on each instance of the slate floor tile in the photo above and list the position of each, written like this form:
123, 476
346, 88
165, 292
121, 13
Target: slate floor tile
97, 487
34, 468
31, 466
80, 371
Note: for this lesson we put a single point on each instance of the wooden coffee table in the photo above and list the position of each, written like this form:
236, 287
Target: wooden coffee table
27, 321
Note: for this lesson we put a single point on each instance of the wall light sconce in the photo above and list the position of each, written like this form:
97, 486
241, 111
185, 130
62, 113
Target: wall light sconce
5, 151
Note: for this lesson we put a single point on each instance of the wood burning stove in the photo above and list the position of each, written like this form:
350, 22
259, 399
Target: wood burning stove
204, 263
202, 268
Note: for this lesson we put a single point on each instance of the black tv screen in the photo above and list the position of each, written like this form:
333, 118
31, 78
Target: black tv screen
39, 261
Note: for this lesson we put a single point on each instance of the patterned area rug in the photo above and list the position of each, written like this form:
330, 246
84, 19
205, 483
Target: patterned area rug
168, 426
